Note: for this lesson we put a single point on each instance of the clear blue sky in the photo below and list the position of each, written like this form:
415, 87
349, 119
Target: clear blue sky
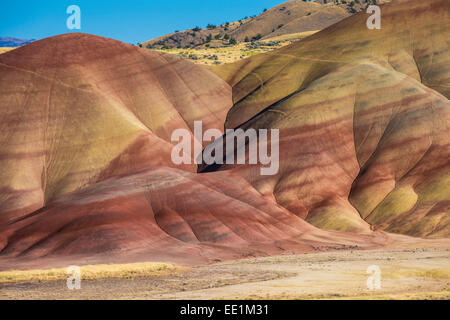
130, 21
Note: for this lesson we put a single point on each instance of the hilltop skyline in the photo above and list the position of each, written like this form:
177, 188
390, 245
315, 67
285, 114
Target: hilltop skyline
131, 21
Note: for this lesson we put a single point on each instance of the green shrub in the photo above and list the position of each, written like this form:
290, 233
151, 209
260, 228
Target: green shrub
257, 37
193, 56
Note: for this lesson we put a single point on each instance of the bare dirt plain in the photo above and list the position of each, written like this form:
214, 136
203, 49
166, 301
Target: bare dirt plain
405, 274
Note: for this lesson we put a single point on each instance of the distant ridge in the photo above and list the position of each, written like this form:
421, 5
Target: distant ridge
286, 18
13, 42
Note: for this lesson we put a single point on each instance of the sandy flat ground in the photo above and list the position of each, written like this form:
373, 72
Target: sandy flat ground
405, 274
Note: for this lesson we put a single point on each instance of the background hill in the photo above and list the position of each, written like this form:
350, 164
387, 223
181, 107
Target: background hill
13, 42
290, 17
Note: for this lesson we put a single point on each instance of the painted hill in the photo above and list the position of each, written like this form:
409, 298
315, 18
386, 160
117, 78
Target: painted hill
290, 17
164, 214
364, 118
77, 109
364, 121
86, 168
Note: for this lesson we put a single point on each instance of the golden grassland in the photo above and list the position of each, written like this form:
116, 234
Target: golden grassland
409, 272
401, 272
438, 295
217, 54
92, 272
426, 295
292, 36
5, 49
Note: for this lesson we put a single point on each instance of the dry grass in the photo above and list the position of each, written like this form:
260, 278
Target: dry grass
5, 49
227, 54
292, 36
434, 295
405, 272
92, 272
427, 295
214, 56
401, 272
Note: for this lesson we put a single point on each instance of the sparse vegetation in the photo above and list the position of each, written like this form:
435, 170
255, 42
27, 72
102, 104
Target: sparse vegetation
91, 272
403, 277
211, 54
197, 37
193, 56
257, 37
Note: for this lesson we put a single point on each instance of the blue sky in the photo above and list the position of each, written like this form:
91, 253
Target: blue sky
130, 21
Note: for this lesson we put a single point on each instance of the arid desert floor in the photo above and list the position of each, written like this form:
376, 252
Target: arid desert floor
405, 274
